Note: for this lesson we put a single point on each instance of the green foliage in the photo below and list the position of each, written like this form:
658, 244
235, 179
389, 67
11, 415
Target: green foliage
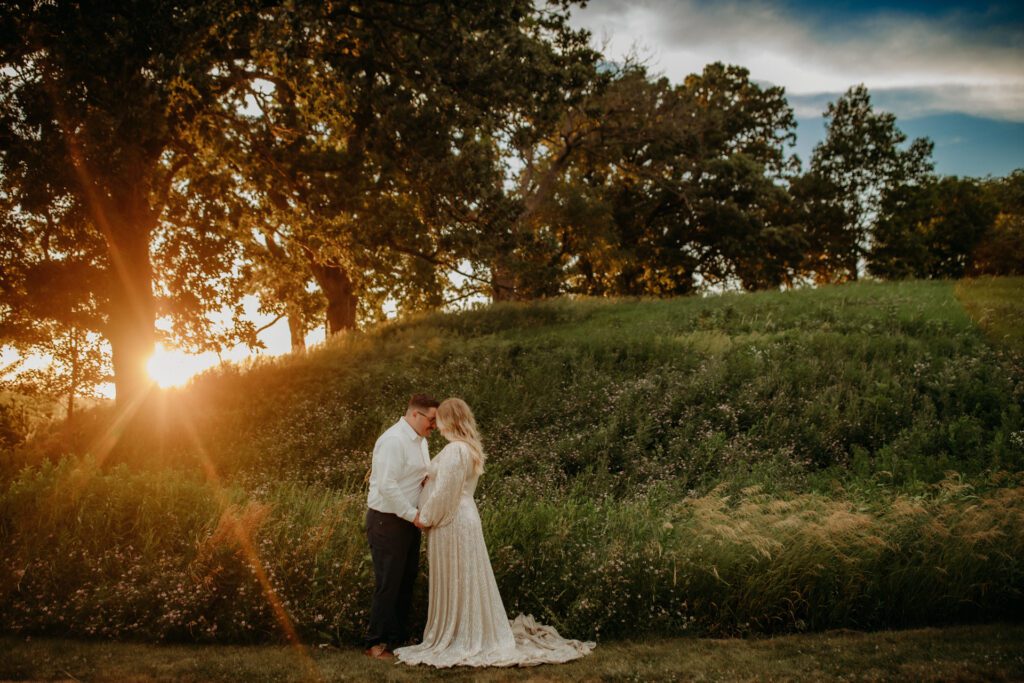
78, 365
931, 230
14, 424
645, 188
1001, 249
754, 563
334, 176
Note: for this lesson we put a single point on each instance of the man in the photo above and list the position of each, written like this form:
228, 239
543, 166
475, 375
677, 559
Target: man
400, 459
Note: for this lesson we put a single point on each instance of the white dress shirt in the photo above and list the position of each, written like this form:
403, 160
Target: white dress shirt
400, 460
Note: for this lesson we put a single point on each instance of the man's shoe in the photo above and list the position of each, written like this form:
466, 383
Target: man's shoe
379, 651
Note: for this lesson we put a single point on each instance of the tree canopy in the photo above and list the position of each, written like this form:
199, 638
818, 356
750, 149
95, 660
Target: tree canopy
859, 163
150, 146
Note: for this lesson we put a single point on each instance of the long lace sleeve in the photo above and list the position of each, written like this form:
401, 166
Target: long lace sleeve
452, 467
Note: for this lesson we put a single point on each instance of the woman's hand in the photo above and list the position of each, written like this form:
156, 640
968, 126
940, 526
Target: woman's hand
419, 525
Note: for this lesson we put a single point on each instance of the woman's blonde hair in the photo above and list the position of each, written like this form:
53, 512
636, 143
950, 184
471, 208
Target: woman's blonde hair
456, 422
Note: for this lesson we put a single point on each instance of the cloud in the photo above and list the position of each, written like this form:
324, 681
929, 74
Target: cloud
952, 61
994, 102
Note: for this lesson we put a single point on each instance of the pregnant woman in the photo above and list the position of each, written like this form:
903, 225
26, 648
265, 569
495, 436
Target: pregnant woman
466, 620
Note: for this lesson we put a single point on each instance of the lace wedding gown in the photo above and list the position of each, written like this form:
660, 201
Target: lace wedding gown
466, 620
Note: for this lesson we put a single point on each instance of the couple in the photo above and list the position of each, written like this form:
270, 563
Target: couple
466, 620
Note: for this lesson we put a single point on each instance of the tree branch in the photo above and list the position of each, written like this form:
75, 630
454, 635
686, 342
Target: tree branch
268, 325
165, 190
434, 260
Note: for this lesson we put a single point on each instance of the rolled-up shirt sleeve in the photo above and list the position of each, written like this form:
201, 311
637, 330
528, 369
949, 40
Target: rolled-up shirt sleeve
387, 461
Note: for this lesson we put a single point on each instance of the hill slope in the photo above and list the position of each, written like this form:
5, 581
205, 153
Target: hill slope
861, 378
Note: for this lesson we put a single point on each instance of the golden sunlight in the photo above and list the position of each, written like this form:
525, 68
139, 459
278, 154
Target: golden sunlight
173, 367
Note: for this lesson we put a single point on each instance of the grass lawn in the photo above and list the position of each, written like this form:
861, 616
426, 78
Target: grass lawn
964, 653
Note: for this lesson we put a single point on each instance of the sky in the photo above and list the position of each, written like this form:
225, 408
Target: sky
951, 71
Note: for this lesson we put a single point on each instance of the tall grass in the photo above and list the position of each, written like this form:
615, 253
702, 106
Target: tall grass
166, 556
157, 555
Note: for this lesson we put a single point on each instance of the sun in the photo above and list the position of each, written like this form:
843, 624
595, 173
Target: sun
173, 367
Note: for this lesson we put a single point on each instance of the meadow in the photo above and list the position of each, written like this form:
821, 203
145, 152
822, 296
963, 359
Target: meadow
744, 464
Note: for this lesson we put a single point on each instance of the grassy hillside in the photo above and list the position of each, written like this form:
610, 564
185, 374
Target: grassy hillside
846, 457
770, 388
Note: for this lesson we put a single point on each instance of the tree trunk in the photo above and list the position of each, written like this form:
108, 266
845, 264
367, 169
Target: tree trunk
297, 330
503, 281
294, 313
341, 299
132, 314
73, 382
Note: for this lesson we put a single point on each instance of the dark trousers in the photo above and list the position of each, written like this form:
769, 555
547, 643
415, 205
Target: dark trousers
395, 548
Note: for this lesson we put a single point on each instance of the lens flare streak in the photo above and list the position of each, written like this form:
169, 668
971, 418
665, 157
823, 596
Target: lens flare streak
248, 547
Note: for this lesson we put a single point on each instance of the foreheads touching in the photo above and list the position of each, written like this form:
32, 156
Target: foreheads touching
421, 413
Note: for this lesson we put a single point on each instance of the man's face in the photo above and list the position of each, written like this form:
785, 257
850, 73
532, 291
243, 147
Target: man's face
424, 420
